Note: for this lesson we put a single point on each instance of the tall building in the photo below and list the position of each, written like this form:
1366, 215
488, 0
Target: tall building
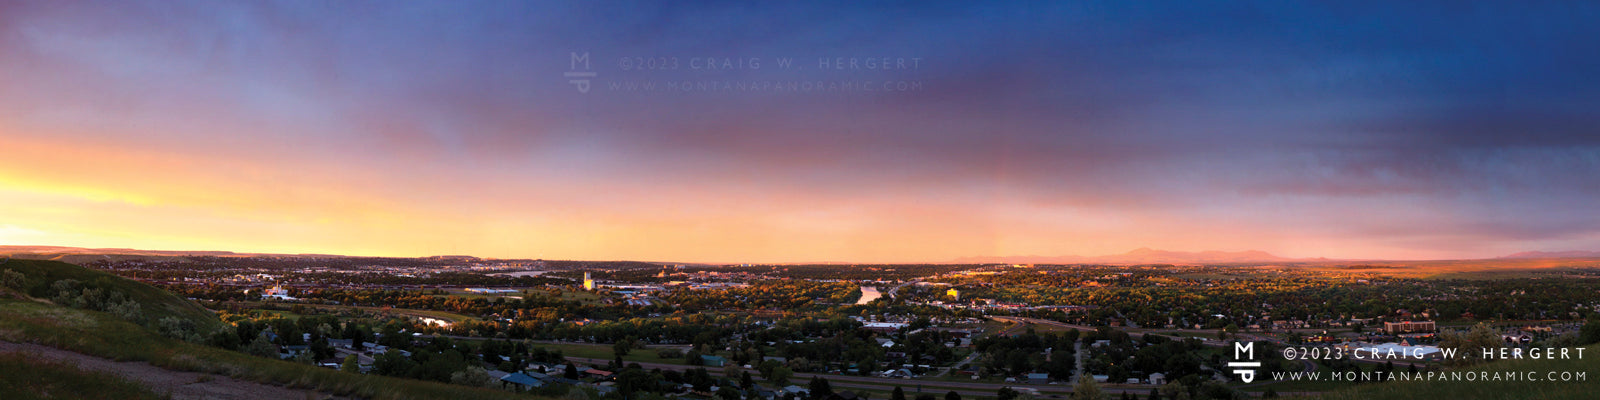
588, 283
953, 293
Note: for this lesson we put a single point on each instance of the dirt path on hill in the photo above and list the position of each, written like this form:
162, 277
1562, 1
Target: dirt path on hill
181, 385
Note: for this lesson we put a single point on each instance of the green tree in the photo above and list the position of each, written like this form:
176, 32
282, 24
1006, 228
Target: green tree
1006, 393
391, 363
1470, 343
177, 328
634, 380
1590, 333
262, 347
12, 279
765, 367
224, 337
472, 376
1175, 390
352, 364
622, 347
900, 394
820, 388
1086, 389
780, 376
952, 395
728, 393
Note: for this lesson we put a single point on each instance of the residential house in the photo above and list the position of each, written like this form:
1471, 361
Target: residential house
1038, 379
522, 380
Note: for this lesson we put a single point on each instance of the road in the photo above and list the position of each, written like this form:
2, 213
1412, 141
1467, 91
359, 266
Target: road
959, 364
1077, 361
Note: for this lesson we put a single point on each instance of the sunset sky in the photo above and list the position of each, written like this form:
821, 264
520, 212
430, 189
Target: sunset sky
1346, 130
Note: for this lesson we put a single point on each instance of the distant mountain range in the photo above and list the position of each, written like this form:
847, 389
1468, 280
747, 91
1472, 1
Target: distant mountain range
8, 250
1144, 256
1554, 254
1153, 256
79, 255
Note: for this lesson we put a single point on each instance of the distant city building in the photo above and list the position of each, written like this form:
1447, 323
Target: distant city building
1408, 327
588, 283
884, 327
277, 292
953, 293
434, 322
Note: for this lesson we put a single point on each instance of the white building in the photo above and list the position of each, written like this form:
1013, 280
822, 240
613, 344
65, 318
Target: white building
277, 292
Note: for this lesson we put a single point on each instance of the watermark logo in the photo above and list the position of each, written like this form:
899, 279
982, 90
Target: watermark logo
580, 78
743, 74
1244, 369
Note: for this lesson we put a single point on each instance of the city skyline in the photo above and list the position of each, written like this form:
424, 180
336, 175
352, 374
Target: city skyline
1355, 131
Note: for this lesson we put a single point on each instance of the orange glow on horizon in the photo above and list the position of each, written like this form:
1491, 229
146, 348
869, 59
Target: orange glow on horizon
85, 195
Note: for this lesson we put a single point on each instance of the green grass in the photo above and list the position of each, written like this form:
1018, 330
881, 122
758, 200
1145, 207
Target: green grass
104, 335
581, 297
26, 377
155, 303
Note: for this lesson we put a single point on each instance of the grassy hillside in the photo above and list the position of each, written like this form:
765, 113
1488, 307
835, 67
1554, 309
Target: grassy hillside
100, 334
1542, 389
24, 377
40, 276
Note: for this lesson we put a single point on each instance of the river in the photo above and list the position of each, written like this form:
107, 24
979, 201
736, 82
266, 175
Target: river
868, 294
